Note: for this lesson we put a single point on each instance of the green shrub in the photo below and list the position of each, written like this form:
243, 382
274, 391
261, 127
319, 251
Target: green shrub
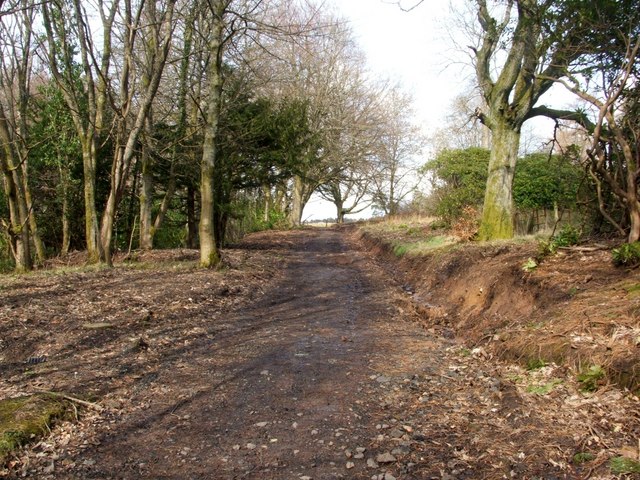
627, 255
459, 179
583, 457
590, 379
566, 237
530, 265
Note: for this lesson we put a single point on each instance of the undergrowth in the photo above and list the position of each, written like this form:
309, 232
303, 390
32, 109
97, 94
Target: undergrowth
591, 378
627, 255
567, 236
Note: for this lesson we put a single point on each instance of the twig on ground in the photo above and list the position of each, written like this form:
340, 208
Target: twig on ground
84, 403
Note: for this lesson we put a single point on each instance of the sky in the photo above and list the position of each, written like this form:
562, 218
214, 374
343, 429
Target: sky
409, 47
412, 47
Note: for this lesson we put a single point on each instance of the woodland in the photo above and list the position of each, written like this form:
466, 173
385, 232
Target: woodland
137, 125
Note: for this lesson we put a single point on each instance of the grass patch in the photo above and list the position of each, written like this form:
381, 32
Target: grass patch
633, 290
25, 419
583, 457
400, 250
624, 466
422, 247
535, 364
591, 378
535, 325
545, 388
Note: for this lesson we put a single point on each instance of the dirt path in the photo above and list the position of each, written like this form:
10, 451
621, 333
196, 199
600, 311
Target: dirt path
279, 393
325, 376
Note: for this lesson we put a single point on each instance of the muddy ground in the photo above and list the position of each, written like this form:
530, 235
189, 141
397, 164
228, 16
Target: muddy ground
304, 358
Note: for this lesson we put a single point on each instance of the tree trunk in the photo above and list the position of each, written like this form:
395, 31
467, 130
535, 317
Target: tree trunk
339, 211
18, 229
221, 219
297, 201
634, 217
280, 202
146, 202
166, 202
66, 224
192, 231
391, 208
267, 203
209, 254
95, 253
33, 223
106, 230
119, 172
497, 213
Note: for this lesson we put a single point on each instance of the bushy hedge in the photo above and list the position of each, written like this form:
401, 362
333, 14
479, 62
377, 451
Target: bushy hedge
459, 179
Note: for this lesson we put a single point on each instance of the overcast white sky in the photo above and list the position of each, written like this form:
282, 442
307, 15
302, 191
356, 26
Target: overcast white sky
412, 47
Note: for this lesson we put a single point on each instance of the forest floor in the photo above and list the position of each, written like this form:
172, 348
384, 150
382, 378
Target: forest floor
308, 356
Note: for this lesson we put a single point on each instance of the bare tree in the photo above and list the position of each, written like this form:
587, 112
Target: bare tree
354, 145
17, 51
400, 142
613, 153
462, 129
135, 97
323, 68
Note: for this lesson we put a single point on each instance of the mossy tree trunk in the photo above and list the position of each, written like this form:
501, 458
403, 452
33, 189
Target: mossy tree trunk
16, 30
209, 254
498, 212
18, 227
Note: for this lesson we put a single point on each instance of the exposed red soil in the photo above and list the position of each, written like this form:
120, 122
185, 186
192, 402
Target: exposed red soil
575, 308
301, 359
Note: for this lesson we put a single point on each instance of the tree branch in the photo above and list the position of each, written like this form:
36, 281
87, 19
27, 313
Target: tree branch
573, 115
